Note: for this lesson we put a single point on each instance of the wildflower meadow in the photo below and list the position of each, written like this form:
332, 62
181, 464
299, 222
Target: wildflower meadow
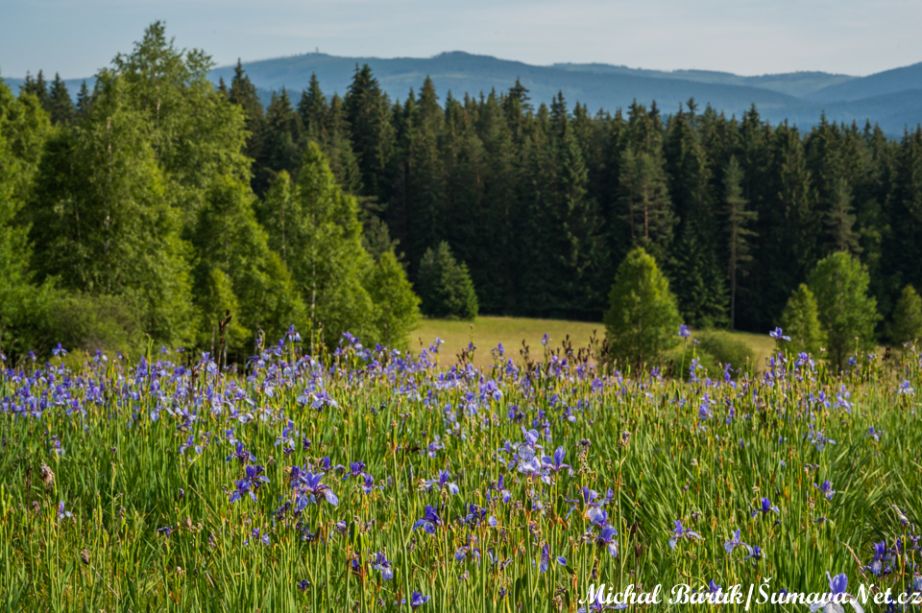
370, 479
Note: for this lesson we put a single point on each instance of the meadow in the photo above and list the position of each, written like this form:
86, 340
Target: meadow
373, 480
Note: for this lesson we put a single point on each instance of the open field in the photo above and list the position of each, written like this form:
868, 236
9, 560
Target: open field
378, 483
488, 331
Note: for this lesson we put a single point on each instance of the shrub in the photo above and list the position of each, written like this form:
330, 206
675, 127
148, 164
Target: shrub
848, 315
725, 349
906, 326
445, 285
642, 318
396, 306
800, 321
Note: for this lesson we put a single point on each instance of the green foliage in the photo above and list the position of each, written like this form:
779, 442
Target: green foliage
101, 220
725, 349
237, 274
906, 324
642, 317
445, 286
800, 321
846, 312
396, 306
315, 228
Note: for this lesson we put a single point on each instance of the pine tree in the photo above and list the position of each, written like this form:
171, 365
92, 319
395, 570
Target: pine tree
645, 201
906, 324
642, 317
281, 143
243, 93
800, 321
840, 222
740, 234
445, 286
848, 315
60, 106
368, 117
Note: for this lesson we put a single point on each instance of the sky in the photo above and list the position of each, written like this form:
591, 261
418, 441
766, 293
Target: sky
856, 37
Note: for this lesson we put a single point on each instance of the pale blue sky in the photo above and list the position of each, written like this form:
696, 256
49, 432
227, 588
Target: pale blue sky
744, 36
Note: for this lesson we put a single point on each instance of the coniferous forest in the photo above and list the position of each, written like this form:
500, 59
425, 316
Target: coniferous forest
156, 205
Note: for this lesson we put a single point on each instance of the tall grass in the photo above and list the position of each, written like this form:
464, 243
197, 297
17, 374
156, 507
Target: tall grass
118, 481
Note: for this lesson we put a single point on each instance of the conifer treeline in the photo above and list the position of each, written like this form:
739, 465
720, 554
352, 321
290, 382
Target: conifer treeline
543, 201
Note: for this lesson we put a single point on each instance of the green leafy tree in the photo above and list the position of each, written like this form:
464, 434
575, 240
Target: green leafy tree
314, 226
445, 285
642, 317
906, 324
847, 313
800, 321
396, 306
101, 220
238, 275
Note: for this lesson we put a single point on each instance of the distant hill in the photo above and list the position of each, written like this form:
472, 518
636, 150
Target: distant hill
892, 98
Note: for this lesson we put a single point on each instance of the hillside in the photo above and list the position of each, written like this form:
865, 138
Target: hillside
889, 98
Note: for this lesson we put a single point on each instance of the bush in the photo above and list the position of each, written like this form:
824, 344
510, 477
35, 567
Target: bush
848, 315
642, 318
725, 349
800, 321
445, 286
396, 306
906, 326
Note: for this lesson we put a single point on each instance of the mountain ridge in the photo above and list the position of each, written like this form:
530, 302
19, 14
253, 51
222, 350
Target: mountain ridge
890, 98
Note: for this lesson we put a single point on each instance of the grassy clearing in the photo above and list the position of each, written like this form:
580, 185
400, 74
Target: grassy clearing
379, 484
488, 331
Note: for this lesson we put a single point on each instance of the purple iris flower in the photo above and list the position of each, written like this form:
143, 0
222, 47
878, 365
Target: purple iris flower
837, 584
606, 537
778, 334
307, 487
441, 483
755, 553
826, 489
556, 463
545, 558
418, 600
381, 564
735, 542
429, 521
252, 480
713, 588
765, 506
684, 332
680, 532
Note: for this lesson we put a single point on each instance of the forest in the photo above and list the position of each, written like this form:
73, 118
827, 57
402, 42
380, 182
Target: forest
160, 206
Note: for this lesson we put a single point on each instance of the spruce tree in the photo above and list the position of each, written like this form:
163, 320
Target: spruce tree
847, 313
445, 286
645, 201
60, 106
739, 232
906, 324
642, 318
800, 321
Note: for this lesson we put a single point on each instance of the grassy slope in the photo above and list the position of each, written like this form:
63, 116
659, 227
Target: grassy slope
486, 332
